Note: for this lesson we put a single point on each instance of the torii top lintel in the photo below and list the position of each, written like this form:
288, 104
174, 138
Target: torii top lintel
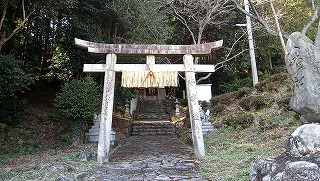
148, 49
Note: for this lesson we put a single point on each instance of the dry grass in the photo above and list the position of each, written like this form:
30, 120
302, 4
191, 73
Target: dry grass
231, 149
46, 165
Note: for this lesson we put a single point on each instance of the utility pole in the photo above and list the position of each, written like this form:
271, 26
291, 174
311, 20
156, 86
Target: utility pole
251, 46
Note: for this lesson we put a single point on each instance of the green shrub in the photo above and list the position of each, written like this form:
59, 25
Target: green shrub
235, 84
214, 100
240, 120
230, 96
2, 126
78, 128
217, 109
254, 102
205, 105
12, 110
12, 77
274, 82
242, 92
79, 99
183, 102
222, 99
284, 103
122, 95
267, 123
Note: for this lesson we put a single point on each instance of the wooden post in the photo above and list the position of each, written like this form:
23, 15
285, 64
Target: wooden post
193, 104
151, 60
107, 109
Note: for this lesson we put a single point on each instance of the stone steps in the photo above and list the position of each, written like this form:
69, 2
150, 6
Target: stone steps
152, 107
153, 116
152, 127
152, 110
152, 119
207, 127
93, 134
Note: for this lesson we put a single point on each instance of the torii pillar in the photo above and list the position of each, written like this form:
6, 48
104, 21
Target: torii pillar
111, 51
107, 109
193, 105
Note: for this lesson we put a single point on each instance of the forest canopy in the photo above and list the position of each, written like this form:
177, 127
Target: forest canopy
38, 36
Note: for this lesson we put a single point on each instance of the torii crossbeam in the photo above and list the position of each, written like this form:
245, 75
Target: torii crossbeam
111, 51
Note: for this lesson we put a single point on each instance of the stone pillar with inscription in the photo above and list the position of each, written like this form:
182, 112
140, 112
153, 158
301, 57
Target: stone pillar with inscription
197, 136
107, 109
303, 64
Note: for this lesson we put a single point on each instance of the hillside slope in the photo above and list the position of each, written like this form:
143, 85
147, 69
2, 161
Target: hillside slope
253, 124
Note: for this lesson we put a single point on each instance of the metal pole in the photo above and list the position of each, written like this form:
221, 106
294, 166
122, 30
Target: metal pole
251, 46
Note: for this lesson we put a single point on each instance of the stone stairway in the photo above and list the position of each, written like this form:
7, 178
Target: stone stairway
152, 119
93, 134
207, 127
152, 110
205, 123
159, 127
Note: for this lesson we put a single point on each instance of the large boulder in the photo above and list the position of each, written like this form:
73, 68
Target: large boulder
300, 161
303, 64
300, 170
304, 141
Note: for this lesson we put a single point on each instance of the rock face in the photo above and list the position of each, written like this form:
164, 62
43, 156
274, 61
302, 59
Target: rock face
300, 161
303, 64
301, 170
304, 141
85, 156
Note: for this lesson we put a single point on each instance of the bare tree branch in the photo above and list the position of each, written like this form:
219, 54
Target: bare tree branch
317, 38
15, 31
278, 26
221, 64
197, 15
313, 4
23, 10
256, 16
227, 59
313, 19
185, 23
235, 44
4, 12
181, 76
204, 78
20, 26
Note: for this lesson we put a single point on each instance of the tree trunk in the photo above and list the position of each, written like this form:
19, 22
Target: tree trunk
278, 27
2, 41
317, 38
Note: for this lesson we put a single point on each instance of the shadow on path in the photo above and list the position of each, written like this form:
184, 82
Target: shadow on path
160, 157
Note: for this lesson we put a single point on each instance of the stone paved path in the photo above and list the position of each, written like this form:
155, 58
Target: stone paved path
149, 158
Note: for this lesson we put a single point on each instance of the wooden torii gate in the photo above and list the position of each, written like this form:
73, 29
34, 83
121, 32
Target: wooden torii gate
111, 51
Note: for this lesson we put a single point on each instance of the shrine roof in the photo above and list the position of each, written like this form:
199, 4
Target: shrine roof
148, 49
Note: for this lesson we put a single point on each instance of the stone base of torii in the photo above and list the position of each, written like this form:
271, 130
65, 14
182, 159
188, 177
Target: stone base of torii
111, 51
